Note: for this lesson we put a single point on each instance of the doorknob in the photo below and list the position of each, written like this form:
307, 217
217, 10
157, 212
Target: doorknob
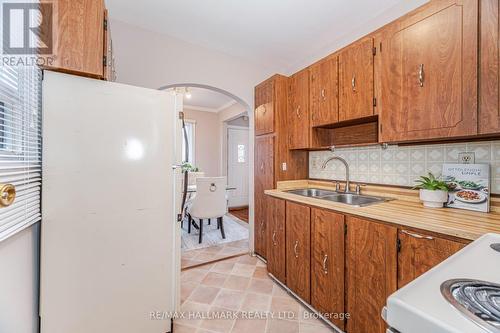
7, 195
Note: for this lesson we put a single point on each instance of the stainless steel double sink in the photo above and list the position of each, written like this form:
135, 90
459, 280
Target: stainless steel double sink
351, 199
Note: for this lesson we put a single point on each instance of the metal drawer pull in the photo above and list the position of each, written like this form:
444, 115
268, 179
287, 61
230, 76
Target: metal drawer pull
298, 111
325, 267
416, 235
274, 238
323, 95
353, 83
261, 227
265, 110
262, 166
295, 249
421, 75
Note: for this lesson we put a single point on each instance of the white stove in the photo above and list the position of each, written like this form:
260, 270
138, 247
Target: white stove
460, 295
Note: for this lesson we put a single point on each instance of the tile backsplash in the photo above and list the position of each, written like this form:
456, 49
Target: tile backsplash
401, 165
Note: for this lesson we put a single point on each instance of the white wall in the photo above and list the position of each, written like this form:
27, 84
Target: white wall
19, 282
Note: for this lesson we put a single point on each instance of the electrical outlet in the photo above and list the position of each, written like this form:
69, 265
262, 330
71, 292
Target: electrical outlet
466, 158
283, 166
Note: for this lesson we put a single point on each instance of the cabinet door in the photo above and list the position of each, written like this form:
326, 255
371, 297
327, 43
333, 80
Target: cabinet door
324, 99
327, 263
276, 252
371, 273
264, 108
298, 110
79, 37
489, 109
298, 251
420, 252
429, 76
264, 180
356, 81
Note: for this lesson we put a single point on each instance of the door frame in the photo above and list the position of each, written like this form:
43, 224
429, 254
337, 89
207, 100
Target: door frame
247, 129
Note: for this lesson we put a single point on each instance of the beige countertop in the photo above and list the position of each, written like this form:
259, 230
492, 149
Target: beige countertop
405, 210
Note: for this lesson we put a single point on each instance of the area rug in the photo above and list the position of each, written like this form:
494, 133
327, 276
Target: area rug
234, 228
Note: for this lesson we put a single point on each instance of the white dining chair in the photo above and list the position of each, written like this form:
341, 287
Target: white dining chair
209, 203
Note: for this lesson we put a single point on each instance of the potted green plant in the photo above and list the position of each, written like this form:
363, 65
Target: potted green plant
433, 192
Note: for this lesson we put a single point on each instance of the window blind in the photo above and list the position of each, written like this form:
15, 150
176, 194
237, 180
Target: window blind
20, 146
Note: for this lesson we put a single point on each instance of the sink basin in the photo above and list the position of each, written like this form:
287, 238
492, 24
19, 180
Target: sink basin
351, 199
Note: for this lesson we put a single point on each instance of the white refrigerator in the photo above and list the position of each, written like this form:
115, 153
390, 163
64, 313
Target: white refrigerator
108, 235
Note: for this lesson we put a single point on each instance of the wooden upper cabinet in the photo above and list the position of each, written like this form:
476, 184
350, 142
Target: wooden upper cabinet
264, 108
298, 249
371, 273
489, 107
276, 247
429, 74
327, 263
324, 92
79, 37
420, 252
356, 80
264, 180
298, 110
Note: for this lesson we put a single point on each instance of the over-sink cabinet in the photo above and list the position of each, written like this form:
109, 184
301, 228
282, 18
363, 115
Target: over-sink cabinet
345, 264
324, 92
428, 74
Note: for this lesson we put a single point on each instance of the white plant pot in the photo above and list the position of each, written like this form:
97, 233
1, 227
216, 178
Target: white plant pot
433, 199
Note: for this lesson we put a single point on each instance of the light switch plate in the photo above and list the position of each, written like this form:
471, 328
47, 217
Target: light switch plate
283, 166
466, 158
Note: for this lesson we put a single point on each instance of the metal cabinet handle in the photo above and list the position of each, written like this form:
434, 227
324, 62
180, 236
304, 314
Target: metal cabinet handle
274, 238
262, 167
262, 227
412, 234
295, 249
297, 111
7, 195
421, 75
325, 266
353, 82
265, 110
323, 94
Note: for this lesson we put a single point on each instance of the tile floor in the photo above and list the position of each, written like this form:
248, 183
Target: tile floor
196, 257
240, 285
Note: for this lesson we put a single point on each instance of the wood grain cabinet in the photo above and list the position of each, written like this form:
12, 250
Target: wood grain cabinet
264, 108
371, 259
276, 247
429, 74
264, 180
327, 263
298, 249
356, 80
324, 101
420, 252
79, 37
489, 107
298, 110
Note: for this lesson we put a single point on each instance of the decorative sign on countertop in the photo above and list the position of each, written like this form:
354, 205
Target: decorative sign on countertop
469, 186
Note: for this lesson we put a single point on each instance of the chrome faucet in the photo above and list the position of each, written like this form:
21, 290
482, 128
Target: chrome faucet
347, 181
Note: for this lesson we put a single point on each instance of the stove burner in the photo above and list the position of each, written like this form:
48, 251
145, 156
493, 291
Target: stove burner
478, 300
495, 247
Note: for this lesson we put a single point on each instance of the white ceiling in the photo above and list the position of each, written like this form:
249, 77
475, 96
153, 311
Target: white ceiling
280, 34
207, 100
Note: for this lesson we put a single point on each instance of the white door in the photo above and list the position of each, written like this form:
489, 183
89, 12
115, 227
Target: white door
107, 243
237, 165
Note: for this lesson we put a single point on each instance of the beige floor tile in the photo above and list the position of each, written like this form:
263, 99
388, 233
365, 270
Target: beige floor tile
260, 263
229, 299
256, 302
249, 260
223, 267
184, 329
186, 289
204, 257
193, 308
261, 286
286, 305
278, 291
308, 328
193, 275
309, 318
235, 282
260, 273
249, 326
214, 279
219, 325
204, 294
282, 326
243, 270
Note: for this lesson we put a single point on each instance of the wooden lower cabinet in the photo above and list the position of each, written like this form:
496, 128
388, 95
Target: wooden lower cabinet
420, 252
327, 264
371, 260
276, 247
298, 249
